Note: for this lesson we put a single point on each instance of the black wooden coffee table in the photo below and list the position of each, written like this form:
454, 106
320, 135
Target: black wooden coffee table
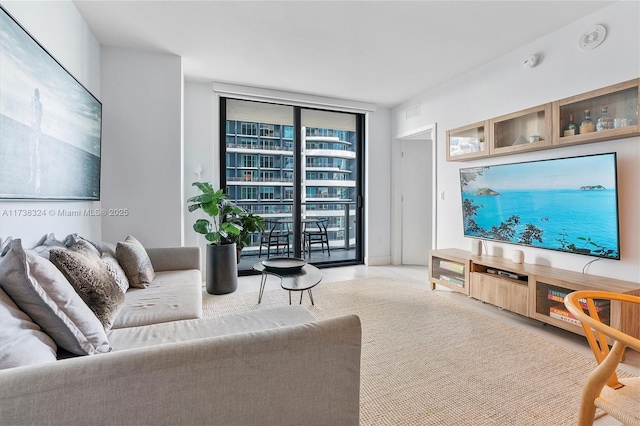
304, 279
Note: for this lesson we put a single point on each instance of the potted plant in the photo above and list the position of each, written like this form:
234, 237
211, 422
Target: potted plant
221, 232
249, 223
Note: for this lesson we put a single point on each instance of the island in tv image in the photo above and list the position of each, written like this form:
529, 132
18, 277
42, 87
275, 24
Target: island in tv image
566, 204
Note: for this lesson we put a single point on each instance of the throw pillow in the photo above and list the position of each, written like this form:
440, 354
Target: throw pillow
22, 342
40, 290
4, 247
73, 239
116, 272
135, 262
101, 246
89, 276
49, 243
104, 247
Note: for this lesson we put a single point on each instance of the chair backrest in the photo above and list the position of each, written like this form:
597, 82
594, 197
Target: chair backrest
597, 332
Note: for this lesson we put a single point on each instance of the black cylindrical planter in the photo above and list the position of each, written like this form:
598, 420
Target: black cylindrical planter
222, 269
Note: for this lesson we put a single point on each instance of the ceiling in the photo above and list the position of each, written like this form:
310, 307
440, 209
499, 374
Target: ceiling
381, 52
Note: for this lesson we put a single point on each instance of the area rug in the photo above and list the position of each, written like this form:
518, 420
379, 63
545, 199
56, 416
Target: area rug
427, 360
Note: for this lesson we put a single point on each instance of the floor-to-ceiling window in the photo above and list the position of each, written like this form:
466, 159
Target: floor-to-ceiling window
301, 170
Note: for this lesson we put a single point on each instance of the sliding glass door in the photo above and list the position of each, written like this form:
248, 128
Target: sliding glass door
301, 170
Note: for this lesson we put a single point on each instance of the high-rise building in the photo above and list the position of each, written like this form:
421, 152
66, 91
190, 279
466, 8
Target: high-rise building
260, 175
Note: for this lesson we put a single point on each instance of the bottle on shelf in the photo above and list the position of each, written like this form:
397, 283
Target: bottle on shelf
587, 125
570, 128
605, 122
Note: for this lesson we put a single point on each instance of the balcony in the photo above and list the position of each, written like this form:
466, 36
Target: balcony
341, 238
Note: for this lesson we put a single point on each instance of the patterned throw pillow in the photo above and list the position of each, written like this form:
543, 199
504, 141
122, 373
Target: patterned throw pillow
40, 290
116, 272
89, 276
135, 262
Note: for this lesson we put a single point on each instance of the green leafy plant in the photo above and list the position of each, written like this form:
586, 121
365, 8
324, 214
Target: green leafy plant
220, 229
249, 223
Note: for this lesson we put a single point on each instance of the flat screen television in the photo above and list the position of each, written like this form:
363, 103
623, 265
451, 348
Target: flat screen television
565, 204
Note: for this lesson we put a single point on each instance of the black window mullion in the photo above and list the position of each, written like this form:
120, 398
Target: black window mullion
360, 187
223, 143
297, 179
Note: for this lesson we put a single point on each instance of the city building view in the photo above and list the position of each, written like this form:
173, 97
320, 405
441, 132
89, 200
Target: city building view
260, 177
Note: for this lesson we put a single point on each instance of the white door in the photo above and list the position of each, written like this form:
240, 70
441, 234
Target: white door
416, 200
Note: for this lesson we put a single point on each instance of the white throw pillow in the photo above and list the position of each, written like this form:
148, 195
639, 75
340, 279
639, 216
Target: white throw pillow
22, 342
40, 290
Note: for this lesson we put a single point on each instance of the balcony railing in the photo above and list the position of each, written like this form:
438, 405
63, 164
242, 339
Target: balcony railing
258, 146
259, 179
341, 236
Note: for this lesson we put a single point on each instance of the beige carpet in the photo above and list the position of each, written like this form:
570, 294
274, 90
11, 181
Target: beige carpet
429, 361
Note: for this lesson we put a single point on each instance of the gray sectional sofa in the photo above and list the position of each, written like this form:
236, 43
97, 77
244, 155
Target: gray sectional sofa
168, 365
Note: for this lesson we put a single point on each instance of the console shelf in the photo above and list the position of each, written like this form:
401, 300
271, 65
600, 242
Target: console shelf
536, 291
450, 268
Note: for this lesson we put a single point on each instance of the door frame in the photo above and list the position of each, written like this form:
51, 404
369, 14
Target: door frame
425, 132
299, 178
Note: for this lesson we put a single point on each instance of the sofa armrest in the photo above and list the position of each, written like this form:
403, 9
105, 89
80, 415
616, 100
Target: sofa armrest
174, 258
302, 374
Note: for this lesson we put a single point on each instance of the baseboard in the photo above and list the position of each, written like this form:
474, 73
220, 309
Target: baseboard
377, 261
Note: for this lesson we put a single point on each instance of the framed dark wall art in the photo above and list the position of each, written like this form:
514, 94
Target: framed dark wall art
50, 124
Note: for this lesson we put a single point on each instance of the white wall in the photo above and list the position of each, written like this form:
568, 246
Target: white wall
378, 188
199, 148
142, 146
503, 86
61, 30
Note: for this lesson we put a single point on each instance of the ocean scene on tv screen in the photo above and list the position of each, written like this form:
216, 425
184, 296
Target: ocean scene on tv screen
567, 204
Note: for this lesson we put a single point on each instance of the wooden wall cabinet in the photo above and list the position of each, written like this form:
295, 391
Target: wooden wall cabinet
536, 291
622, 104
542, 127
521, 131
468, 142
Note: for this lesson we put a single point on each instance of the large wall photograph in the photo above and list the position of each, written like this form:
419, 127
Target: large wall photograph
50, 124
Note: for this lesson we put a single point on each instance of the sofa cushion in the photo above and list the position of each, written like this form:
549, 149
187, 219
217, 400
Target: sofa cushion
115, 271
89, 276
171, 296
40, 290
22, 342
135, 262
182, 331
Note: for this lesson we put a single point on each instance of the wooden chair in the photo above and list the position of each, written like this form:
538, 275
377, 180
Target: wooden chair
618, 398
276, 235
318, 235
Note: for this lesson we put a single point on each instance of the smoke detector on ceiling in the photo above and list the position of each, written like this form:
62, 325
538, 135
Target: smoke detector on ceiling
530, 61
592, 38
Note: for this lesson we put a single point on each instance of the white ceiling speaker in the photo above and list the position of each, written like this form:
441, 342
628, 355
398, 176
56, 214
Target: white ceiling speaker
530, 61
592, 38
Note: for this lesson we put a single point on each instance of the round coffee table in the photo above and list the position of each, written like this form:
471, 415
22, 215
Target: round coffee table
304, 279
